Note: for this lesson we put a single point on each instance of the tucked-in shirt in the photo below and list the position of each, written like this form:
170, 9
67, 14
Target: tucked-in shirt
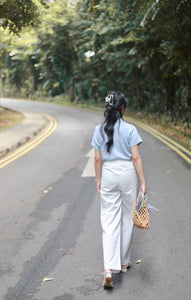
125, 136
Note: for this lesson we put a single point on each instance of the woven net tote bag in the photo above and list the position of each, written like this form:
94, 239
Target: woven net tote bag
141, 217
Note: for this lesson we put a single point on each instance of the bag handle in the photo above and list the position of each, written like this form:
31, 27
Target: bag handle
143, 198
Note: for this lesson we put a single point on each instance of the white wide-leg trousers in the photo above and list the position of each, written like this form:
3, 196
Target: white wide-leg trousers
118, 194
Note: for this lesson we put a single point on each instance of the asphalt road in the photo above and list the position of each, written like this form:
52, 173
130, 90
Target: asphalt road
50, 226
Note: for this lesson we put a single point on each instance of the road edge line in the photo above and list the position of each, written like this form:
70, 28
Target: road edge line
32, 144
166, 140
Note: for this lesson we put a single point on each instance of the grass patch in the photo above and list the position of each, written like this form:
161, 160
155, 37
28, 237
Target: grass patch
180, 133
9, 118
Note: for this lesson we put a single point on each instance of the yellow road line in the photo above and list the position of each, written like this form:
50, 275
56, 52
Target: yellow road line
166, 140
169, 142
29, 146
144, 126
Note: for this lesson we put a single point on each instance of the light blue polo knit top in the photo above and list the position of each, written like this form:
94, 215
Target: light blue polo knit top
125, 136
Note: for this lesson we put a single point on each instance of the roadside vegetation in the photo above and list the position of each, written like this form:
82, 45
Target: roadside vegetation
75, 51
180, 132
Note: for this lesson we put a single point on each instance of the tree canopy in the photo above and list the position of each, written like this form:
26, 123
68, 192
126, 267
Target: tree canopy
17, 14
85, 48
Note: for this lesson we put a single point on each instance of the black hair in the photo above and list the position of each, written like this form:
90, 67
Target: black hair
114, 102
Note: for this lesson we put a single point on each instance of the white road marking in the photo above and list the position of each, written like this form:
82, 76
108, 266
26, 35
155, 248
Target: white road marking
89, 168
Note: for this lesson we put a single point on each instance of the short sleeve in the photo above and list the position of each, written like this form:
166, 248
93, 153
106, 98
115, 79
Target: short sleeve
96, 139
134, 137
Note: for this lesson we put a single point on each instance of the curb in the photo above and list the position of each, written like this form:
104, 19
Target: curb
26, 138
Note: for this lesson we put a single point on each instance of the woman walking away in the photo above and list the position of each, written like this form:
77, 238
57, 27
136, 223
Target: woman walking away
116, 144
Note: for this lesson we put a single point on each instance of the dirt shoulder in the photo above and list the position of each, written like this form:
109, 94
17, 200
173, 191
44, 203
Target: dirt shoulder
9, 118
180, 133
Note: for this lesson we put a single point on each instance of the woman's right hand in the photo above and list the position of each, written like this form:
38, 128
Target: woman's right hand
99, 185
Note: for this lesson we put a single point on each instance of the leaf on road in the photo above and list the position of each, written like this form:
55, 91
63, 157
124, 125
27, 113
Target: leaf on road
138, 261
169, 171
47, 279
65, 253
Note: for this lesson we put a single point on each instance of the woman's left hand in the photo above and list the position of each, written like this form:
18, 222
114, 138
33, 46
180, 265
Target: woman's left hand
143, 188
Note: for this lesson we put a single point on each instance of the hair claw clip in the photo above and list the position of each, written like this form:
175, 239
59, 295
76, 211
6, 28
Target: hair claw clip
109, 99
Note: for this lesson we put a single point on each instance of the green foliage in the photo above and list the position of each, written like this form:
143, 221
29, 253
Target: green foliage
17, 14
139, 47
